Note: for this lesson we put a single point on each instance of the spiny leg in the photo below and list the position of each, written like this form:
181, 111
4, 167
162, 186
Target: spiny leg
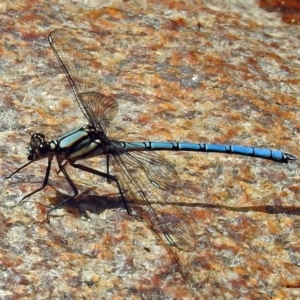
45, 182
108, 177
63, 165
18, 170
71, 183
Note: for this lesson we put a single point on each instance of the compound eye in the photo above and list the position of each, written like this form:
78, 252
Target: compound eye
43, 150
31, 154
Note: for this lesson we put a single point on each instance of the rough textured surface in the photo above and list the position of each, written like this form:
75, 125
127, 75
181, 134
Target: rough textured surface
199, 71
289, 10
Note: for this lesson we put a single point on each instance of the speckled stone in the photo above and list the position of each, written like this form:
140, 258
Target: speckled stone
199, 71
289, 9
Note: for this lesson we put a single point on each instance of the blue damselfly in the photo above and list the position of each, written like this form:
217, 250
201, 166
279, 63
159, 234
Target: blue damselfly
138, 169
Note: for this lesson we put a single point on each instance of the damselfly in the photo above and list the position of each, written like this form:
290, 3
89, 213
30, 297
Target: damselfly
138, 171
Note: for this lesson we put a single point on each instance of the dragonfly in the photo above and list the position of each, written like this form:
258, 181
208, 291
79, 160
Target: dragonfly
135, 167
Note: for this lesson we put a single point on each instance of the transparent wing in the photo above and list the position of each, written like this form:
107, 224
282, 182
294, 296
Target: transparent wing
149, 178
99, 109
79, 67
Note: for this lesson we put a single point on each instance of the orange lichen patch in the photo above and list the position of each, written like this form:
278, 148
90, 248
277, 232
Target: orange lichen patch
176, 59
213, 94
246, 171
287, 223
41, 211
101, 24
41, 231
295, 188
31, 35
200, 215
205, 262
192, 57
180, 6
95, 278
65, 103
214, 59
253, 62
69, 256
241, 271
187, 124
289, 9
27, 18
227, 244
176, 24
269, 56
165, 107
103, 249
274, 176
271, 227
175, 86
156, 46
292, 281
95, 14
157, 80
231, 132
183, 293
283, 99
144, 119
19, 280
231, 37
213, 71
10, 261
245, 226
115, 13
294, 81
